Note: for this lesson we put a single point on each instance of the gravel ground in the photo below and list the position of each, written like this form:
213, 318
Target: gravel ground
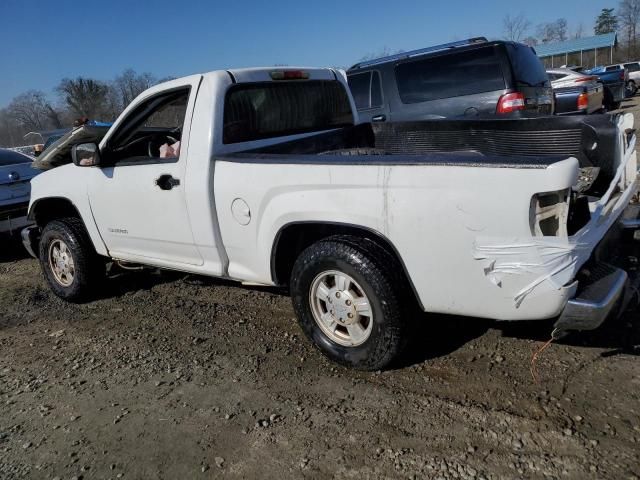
176, 376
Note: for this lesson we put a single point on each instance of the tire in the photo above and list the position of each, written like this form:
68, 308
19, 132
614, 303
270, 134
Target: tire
381, 334
76, 279
632, 89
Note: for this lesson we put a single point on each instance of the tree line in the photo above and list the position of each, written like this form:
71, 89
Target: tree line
624, 19
34, 111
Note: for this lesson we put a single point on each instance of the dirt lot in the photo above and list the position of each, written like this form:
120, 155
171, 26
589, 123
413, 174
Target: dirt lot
176, 376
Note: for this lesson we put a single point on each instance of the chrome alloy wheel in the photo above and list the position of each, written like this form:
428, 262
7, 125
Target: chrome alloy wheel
341, 308
61, 263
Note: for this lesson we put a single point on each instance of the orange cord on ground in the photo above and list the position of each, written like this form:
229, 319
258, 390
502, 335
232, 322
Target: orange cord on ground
534, 358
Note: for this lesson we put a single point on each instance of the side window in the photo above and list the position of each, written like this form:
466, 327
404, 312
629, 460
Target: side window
376, 90
366, 89
528, 69
152, 132
632, 67
359, 84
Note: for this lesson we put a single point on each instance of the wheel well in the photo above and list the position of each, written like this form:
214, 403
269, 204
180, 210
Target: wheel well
48, 209
292, 239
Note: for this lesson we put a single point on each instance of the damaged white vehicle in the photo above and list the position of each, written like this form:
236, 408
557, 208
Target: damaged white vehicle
263, 176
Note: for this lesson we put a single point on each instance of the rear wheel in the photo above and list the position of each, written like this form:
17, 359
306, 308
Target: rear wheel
631, 88
68, 260
348, 304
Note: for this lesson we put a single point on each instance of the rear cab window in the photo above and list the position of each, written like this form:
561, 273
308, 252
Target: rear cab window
260, 110
366, 89
528, 70
450, 75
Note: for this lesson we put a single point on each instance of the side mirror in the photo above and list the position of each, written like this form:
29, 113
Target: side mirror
86, 155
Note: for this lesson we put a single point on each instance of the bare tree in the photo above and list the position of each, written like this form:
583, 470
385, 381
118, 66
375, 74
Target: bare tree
553, 31
84, 96
515, 27
130, 84
10, 131
531, 41
32, 110
579, 31
629, 17
384, 52
561, 27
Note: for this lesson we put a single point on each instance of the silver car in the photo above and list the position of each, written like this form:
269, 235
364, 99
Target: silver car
15, 189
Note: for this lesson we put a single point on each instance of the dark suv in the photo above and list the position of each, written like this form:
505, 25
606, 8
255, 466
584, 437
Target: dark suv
465, 78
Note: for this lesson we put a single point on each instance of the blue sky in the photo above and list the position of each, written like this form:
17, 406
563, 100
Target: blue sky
42, 41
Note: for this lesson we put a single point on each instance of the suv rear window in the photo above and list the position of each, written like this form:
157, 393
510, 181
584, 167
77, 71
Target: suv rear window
527, 67
254, 111
450, 75
366, 89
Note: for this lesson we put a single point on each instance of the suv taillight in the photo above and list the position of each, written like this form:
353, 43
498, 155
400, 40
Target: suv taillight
583, 101
510, 102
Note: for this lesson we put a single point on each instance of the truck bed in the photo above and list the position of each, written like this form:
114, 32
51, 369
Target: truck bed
511, 143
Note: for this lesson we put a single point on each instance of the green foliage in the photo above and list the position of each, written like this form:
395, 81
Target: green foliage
606, 22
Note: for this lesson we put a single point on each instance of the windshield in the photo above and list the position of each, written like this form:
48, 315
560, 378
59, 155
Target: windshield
272, 109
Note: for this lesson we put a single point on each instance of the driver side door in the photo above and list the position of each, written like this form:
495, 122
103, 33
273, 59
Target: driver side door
138, 195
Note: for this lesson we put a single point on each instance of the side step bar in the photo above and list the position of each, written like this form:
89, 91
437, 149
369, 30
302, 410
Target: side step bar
600, 288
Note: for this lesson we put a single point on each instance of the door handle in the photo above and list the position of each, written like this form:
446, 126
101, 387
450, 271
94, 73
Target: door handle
379, 118
167, 182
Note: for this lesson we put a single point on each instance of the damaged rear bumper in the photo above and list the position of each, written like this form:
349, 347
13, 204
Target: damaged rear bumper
599, 293
608, 281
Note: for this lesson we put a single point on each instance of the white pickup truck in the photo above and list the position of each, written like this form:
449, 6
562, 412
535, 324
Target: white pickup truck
273, 182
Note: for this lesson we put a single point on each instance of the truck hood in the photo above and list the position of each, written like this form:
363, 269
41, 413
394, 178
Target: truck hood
59, 152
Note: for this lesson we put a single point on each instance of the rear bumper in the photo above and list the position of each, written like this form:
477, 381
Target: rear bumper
609, 280
631, 218
601, 290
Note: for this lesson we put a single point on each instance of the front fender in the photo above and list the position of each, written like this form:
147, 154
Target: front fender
66, 185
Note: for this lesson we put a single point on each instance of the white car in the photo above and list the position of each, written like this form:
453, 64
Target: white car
264, 176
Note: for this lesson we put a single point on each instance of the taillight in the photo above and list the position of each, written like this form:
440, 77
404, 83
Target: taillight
622, 75
549, 214
510, 102
583, 101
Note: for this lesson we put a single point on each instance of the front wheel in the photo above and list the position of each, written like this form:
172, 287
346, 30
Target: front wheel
68, 260
348, 305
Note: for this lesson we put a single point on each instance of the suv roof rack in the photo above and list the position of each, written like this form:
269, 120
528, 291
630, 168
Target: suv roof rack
413, 53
